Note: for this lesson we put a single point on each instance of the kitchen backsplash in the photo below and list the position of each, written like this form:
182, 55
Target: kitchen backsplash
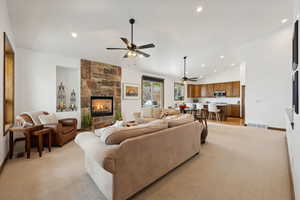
229, 100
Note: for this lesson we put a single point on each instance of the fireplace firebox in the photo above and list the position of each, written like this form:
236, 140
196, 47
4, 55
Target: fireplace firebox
102, 106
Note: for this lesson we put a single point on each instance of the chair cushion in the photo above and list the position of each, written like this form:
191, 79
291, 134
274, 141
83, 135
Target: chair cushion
66, 129
116, 135
178, 120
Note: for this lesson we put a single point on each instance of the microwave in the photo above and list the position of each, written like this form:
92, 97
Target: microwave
219, 93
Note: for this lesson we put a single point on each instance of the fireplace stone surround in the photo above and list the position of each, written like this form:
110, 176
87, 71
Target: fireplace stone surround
100, 80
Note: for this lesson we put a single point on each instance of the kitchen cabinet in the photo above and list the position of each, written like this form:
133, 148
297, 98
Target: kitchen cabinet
210, 90
197, 91
236, 90
228, 89
207, 90
190, 91
219, 86
235, 111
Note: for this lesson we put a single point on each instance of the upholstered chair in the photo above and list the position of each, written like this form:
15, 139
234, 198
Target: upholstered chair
64, 131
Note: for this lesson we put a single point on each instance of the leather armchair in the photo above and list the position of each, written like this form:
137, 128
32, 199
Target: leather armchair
63, 132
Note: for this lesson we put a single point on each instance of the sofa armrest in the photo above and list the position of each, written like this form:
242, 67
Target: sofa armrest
94, 148
68, 122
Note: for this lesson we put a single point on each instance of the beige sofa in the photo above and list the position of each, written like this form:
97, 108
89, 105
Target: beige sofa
151, 114
122, 170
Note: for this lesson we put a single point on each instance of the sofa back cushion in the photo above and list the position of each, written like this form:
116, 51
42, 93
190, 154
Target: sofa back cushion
178, 120
116, 135
169, 112
147, 112
156, 113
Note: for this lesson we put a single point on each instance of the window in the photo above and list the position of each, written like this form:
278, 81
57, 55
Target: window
8, 83
178, 91
152, 92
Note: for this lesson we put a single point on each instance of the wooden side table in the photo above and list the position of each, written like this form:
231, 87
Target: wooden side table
27, 133
39, 134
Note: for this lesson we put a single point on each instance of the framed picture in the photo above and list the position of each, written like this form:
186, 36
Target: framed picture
178, 91
131, 91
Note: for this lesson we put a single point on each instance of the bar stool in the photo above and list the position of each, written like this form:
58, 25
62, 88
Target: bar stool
213, 110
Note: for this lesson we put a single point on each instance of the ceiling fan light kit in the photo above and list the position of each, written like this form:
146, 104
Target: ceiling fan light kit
132, 49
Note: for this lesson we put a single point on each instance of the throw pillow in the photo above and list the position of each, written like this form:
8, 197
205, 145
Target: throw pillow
116, 135
48, 119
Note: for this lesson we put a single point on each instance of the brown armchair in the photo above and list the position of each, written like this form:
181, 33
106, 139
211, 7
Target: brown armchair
63, 132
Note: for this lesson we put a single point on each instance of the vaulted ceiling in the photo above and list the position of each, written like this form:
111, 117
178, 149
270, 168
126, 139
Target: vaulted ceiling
173, 26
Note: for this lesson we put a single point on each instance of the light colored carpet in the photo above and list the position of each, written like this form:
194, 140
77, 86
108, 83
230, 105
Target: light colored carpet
237, 163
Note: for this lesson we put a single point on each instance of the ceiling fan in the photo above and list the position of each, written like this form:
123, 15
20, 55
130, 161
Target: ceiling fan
185, 78
131, 48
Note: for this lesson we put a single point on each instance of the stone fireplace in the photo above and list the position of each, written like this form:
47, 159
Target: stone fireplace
100, 91
102, 106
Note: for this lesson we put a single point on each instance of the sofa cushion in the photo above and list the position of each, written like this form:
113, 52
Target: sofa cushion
48, 119
171, 112
66, 129
116, 135
147, 112
156, 113
178, 120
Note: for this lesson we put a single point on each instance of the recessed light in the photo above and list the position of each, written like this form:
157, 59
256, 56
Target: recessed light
74, 35
222, 57
232, 64
200, 77
298, 16
283, 21
199, 9
203, 65
215, 70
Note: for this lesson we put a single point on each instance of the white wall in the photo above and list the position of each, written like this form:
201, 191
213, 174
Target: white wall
228, 75
268, 86
130, 75
4, 27
36, 81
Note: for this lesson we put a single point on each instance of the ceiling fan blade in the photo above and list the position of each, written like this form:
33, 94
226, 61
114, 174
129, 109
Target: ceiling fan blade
128, 44
192, 80
116, 48
146, 46
126, 55
142, 53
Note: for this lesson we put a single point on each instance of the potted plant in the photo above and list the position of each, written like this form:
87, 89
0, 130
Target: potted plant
118, 116
86, 122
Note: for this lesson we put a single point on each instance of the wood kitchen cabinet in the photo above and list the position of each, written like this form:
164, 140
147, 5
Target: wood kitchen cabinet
235, 111
190, 91
228, 89
236, 90
219, 86
210, 90
207, 90
197, 91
